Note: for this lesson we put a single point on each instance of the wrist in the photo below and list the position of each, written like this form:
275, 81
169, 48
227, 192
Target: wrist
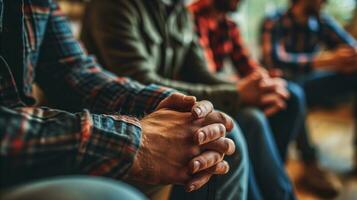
323, 61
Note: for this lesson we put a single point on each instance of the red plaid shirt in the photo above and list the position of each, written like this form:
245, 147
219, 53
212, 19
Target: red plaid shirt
220, 39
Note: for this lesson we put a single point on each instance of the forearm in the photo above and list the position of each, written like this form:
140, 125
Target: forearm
90, 87
322, 61
40, 142
296, 62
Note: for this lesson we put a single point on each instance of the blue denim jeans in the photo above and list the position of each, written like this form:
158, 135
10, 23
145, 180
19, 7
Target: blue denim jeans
267, 141
77, 187
323, 88
232, 186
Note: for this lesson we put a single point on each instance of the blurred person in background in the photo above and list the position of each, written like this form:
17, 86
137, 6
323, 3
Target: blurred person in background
155, 42
312, 50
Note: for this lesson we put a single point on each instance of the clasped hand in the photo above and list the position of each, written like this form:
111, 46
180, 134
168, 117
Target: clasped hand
183, 142
262, 90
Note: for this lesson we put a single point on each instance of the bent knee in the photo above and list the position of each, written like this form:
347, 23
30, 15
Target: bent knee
296, 92
240, 156
297, 99
252, 118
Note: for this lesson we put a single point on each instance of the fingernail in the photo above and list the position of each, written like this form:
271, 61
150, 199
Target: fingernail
197, 111
196, 166
191, 188
201, 137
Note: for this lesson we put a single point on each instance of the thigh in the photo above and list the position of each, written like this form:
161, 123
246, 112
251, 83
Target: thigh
324, 86
271, 179
80, 188
287, 123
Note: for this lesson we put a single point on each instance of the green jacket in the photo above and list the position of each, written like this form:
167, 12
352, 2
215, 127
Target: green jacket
138, 39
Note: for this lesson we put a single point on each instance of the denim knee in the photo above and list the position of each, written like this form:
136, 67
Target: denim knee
239, 169
252, 119
297, 100
241, 153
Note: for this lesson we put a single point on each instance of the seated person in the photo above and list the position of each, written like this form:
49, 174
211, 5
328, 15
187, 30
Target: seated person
221, 39
310, 47
312, 50
109, 126
155, 42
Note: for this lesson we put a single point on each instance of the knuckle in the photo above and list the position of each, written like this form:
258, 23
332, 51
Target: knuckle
221, 129
227, 145
222, 117
203, 162
216, 157
209, 133
220, 145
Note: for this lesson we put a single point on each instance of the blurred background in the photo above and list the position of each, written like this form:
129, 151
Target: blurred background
251, 13
331, 128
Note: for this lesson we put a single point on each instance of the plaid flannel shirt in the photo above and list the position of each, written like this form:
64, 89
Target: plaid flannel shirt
37, 46
292, 46
221, 39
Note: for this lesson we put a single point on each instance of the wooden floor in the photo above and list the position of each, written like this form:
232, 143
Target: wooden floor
332, 131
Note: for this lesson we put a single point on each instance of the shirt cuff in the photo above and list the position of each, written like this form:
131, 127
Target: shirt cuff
108, 144
150, 97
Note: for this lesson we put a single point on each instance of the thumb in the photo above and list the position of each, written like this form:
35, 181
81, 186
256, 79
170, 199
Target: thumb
178, 102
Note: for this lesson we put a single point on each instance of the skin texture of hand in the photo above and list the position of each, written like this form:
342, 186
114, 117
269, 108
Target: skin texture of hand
261, 90
183, 103
275, 73
341, 60
248, 89
210, 141
274, 95
172, 152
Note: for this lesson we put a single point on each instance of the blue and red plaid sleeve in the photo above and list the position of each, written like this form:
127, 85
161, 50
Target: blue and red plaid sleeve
41, 142
334, 34
274, 52
273, 39
73, 80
